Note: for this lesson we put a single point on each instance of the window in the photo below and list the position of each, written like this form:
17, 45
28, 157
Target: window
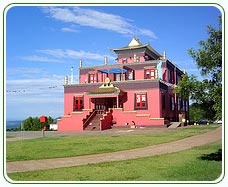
130, 75
117, 76
150, 74
172, 104
178, 78
163, 101
77, 103
183, 105
171, 76
186, 105
124, 61
178, 104
141, 101
92, 78
135, 58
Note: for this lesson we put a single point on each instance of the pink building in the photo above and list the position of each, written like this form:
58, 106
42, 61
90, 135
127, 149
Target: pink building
138, 88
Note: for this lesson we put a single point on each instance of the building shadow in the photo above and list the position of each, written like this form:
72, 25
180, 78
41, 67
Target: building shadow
216, 156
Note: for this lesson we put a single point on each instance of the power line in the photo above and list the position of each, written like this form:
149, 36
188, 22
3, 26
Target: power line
31, 89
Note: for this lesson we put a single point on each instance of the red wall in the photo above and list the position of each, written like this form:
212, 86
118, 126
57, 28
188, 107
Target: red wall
152, 116
121, 117
68, 104
72, 122
106, 122
139, 75
131, 60
82, 79
154, 102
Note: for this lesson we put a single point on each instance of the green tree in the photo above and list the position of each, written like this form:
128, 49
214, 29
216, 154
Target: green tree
208, 92
27, 123
34, 124
196, 112
187, 87
209, 60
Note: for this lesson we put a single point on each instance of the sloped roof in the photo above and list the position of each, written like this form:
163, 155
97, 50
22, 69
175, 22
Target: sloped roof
136, 44
106, 89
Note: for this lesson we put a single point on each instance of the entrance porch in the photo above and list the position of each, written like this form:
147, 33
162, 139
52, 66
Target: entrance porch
107, 103
106, 97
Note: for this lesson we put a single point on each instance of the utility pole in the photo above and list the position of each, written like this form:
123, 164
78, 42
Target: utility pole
72, 74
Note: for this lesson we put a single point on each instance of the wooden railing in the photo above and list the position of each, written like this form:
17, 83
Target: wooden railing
106, 122
88, 119
100, 112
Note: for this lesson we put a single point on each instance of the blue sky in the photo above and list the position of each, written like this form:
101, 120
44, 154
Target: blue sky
43, 43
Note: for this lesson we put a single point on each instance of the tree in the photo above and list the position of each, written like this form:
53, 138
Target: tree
208, 92
34, 124
209, 57
196, 112
187, 87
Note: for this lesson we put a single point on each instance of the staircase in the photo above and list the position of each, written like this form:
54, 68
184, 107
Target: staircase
94, 124
174, 125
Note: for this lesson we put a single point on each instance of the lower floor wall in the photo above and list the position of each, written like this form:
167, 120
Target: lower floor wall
121, 118
74, 121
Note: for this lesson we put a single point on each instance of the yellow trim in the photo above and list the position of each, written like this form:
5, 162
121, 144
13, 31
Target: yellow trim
92, 72
87, 109
129, 111
78, 95
115, 108
77, 112
150, 67
156, 118
141, 92
66, 116
142, 115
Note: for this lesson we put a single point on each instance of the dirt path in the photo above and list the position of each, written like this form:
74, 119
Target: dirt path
175, 146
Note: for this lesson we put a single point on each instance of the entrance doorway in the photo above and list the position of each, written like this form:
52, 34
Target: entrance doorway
105, 103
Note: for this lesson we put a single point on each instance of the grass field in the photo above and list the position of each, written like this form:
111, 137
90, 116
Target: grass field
55, 147
10, 136
197, 164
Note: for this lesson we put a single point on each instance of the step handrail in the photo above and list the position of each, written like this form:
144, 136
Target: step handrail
89, 118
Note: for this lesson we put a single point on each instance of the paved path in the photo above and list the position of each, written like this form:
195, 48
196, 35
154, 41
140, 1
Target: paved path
175, 146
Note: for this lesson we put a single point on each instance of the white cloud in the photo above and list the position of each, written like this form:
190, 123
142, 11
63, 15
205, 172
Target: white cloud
146, 32
96, 19
36, 58
24, 71
68, 53
39, 86
57, 53
66, 29
34, 97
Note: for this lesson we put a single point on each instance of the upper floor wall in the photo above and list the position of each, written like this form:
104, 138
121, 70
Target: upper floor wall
134, 62
154, 69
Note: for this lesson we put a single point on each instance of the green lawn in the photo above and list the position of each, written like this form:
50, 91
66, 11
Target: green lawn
197, 164
55, 147
10, 136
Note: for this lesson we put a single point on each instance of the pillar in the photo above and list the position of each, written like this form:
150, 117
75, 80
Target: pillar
117, 102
